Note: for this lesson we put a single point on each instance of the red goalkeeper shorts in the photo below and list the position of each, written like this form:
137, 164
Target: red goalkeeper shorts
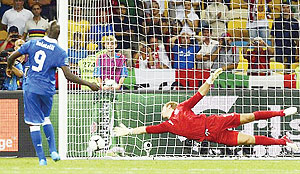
217, 129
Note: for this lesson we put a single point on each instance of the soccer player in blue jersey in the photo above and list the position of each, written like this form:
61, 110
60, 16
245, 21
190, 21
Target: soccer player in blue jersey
45, 55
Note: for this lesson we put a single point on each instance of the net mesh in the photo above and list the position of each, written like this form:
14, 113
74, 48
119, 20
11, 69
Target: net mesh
163, 51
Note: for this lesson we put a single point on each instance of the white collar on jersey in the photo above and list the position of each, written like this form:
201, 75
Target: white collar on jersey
46, 38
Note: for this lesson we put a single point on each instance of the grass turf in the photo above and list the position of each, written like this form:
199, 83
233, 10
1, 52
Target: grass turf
30, 165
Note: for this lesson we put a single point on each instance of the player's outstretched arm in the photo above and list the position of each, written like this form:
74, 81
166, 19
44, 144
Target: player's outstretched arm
203, 90
122, 130
73, 78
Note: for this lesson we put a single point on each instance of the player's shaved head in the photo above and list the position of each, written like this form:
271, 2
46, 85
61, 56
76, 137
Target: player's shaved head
54, 30
168, 109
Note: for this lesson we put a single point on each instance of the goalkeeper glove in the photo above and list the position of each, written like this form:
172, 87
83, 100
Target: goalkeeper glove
214, 76
122, 130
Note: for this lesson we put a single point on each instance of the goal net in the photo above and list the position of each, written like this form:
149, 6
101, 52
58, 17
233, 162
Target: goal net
162, 51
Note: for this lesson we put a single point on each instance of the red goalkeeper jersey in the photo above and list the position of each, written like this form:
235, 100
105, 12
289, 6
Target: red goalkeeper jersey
183, 121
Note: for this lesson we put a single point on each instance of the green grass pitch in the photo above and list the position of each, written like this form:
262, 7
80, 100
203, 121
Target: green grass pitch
30, 165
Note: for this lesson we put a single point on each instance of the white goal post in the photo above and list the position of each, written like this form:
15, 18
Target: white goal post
84, 113
63, 93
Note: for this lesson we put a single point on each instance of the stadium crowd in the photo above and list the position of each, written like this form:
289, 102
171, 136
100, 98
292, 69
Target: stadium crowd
247, 36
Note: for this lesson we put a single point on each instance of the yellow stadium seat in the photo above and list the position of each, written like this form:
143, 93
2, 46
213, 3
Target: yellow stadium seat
237, 29
277, 67
238, 4
237, 23
91, 47
3, 35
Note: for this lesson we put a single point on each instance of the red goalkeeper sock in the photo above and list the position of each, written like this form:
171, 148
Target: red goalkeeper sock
263, 140
263, 115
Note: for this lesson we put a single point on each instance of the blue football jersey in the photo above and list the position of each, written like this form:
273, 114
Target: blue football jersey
45, 55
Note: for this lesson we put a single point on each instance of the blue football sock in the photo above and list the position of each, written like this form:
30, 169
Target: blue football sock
49, 132
36, 138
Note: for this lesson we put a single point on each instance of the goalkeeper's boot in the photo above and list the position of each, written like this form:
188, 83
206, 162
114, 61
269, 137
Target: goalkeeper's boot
55, 156
290, 111
290, 143
43, 162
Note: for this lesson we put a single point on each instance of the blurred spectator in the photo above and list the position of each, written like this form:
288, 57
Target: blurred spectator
138, 23
161, 3
110, 68
49, 8
3, 65
77, 51
184, 51
285, 31
165, 28
176, 27
142, 58
121, 27
258, 24
37, 26
153, 21
13, 36
17, 16
176, 8
10, 83
103, 27
77, 24
227, 55
22, 59
18, 44
159, 54
258, 54
136, 17
123, 32
86, 67
114, 3
197, 6
215, 15
191, 20
166, 35
209, 47
5, 5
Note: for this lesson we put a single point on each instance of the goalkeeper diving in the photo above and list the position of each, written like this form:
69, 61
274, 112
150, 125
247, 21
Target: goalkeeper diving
182, 121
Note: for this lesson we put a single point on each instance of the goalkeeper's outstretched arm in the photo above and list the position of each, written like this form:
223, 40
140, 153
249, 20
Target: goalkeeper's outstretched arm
122, 130
203, 90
